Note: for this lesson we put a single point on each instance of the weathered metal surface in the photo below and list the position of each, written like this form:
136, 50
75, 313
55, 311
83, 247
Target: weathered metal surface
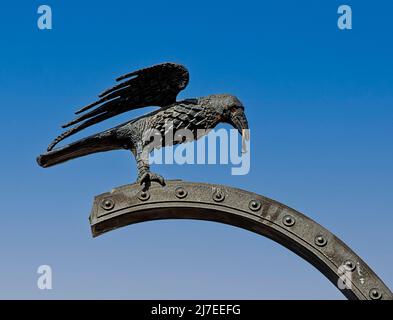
184, 200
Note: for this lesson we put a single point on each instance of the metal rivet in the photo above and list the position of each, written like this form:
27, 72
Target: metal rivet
255, 205
375, 294
349, 265
107, 204
144, 196
218, 196
288, 221
181, 192
320, 241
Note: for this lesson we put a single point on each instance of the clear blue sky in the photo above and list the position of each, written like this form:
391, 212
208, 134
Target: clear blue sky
319, 102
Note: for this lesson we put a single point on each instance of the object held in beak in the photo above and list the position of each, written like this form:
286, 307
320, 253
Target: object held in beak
240, 122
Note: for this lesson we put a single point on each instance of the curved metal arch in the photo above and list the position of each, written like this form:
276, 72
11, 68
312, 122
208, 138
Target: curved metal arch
186, 200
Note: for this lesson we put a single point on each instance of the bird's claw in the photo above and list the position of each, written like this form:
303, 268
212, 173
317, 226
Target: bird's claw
148, 177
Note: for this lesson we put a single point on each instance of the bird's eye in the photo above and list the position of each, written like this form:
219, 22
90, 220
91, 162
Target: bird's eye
233, 109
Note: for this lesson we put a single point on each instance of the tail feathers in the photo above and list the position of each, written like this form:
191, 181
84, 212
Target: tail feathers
89, 122
97, 143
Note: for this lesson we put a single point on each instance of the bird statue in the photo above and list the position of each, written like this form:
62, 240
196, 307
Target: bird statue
157, 85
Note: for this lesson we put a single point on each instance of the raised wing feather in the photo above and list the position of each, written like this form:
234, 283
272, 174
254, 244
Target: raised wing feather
157, 85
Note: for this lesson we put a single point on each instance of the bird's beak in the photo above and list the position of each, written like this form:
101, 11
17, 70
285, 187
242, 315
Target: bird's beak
239, 121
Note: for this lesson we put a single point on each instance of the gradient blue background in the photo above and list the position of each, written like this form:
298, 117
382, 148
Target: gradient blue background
319, 101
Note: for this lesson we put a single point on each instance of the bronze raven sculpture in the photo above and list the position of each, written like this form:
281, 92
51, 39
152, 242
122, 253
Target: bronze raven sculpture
157, 85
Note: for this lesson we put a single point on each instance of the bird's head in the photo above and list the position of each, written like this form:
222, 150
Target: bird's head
230, 110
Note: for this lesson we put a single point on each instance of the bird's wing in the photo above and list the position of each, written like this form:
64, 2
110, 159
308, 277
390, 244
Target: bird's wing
157, 85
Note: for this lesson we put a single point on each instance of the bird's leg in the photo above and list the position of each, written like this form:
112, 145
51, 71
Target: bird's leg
145, 176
